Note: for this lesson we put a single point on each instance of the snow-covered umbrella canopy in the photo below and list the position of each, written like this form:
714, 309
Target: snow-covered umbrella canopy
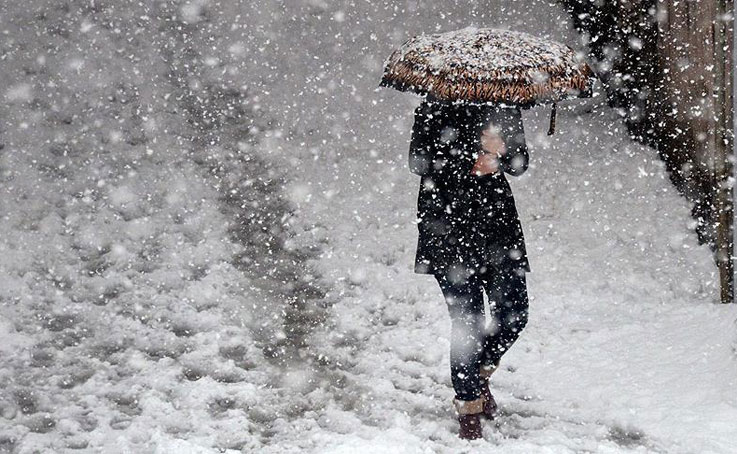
488, 65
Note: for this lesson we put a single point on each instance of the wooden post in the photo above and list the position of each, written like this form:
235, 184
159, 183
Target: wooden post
724, 146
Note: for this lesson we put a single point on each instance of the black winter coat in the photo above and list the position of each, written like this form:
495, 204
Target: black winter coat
466, 223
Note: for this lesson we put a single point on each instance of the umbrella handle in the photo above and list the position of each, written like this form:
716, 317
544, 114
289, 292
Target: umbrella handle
551, 129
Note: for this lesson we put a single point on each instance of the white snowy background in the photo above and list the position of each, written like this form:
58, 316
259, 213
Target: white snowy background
208, 231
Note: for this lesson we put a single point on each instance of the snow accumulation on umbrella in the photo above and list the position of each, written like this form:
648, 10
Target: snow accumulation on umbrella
484, 64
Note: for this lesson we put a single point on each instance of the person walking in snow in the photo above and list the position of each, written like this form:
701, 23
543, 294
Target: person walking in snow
470, 237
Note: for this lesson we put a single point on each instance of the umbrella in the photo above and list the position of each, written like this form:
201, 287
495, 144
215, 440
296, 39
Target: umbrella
484, 65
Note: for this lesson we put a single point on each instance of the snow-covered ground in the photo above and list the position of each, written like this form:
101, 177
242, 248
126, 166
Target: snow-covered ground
251, 289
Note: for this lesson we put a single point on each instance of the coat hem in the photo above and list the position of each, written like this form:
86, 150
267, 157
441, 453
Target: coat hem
428, 270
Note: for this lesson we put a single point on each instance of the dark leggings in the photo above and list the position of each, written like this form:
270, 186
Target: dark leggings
471, 344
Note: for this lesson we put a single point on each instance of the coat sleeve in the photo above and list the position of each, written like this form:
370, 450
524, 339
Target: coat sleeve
421, 147
516, 160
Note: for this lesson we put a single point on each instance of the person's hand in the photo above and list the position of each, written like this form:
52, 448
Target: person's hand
485, 164
493, 144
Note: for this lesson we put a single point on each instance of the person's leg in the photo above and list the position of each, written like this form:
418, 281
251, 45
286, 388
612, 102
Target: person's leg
508, 301
465, 304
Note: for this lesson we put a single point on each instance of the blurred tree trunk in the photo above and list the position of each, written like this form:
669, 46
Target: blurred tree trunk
667, 64
723, 28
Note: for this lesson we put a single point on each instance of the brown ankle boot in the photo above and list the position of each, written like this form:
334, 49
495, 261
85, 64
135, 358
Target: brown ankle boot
469, 412
490, 407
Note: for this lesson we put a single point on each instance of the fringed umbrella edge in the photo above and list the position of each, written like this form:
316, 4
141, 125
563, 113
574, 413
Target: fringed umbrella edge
517, 89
